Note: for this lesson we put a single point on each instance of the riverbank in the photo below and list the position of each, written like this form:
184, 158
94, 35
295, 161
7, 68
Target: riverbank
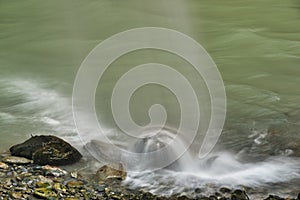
27, 171
25, 180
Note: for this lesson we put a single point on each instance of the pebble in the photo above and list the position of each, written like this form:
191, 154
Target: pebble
225, 190
3, 165
239, 195
16, 160
198, 190
75, 184
16, 195
74, 174
54, 171
44, 192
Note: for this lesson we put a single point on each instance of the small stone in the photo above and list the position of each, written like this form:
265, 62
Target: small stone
213, 197
116, 197
225, 190
74, 174
44, 179
5, 154
26, 196
75, 184
8, 182
59, 187
100, 188
54, 171
44, 192
239, 195
2, 174
274, 197
198, 190
3, 165
16, 195
16, 160
111, 171
20, 188
183, 197
41, 184
25, 174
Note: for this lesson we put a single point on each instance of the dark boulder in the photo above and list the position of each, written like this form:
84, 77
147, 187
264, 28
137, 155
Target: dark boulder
47, 149
298, 198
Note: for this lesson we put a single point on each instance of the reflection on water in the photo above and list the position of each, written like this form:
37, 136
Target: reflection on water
255, 44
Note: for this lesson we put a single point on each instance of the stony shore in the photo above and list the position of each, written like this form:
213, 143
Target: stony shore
23, 178
30, 181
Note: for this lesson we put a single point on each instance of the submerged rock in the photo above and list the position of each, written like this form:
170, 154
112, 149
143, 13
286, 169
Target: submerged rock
274, 197
16, 160
47, 149
225, 190
111, 171
239, 195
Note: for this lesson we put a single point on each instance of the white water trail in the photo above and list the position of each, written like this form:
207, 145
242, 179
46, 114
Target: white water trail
216, 170
38, 108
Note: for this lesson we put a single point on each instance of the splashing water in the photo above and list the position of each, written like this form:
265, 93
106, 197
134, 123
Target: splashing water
216, 170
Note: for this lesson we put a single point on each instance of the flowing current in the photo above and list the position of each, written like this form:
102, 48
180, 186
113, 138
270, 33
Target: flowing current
255, 44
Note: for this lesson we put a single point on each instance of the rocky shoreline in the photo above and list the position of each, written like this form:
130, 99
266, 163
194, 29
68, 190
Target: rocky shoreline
23, 178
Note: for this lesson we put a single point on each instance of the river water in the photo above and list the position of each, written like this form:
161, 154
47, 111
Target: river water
255, 44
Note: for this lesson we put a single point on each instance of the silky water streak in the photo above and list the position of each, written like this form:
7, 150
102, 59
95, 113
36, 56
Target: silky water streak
179, 44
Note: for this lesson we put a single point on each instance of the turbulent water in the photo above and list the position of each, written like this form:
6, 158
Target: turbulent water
255, 44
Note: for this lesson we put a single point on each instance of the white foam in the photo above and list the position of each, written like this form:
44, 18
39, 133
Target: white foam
224, 170
40, 106
50, 121
218, 169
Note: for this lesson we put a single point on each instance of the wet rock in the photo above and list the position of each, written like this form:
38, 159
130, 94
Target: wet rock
74, 174
213, 197
53, 171
100, 188
3, 165
198, 190
59, 187
2, 174
44, 179
41, 184
16, 160
16, 195
239, 195
47, 149
225, 190
111, 171
75, 184
274, 197
44, 193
